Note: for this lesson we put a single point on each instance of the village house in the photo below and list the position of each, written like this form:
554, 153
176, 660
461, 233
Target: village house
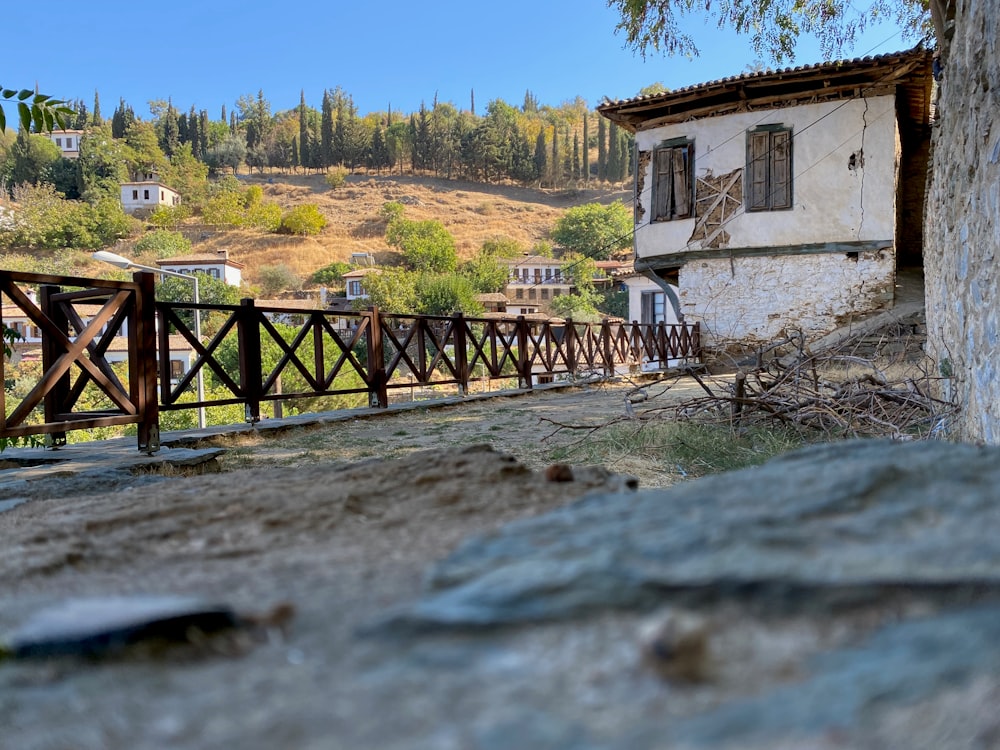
68, 142
217, 265
784, 199
146, 195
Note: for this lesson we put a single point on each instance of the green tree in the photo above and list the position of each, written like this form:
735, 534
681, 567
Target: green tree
103, 164
304, 146
162, 243
277, 278
32, 158
331, 275
392, 290
306, 219
773, 27
602, 150
595, 230
444, 294
426, 245
228, 154
326, 130
485, 273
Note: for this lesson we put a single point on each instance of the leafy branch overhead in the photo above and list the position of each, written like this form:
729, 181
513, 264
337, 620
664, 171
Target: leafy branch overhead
38, 111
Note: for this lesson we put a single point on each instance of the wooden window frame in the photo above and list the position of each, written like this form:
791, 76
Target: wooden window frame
769, 169
649, 302
673, 180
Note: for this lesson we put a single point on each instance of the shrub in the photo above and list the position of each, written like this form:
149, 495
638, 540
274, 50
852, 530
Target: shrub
426, 245
391, 211
305, 220
277, 278
264, 216
337, 178
330, 275
163, 244
168, 217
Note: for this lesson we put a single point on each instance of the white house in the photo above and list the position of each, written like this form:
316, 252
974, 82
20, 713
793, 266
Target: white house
217, 265
68, 142
146, 195
534, 281
782, 199
354, 283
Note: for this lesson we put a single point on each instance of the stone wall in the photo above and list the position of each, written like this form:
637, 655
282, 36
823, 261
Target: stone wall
962, 230
759, 299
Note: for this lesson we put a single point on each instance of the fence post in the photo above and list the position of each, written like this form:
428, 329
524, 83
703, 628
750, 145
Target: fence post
523, 361
378, 393
569, 339
663, 347
461, 353
144, 392
248, 332
56, 397
609, 359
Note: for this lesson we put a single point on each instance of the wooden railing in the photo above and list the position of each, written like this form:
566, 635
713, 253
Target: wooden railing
251, 358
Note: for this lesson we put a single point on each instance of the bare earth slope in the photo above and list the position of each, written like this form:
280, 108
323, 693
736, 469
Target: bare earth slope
472, 212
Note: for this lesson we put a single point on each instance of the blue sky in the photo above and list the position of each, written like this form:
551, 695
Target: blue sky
207, 54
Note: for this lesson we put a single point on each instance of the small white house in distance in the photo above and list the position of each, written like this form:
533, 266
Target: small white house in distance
68, 142
354, 283
217, 265
146, 195
535, 280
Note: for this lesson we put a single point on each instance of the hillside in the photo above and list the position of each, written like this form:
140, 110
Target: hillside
472, 212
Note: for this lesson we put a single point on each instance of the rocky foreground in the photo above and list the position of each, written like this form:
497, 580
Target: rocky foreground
844, 596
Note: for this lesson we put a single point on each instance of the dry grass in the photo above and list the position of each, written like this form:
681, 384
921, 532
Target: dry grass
472, 212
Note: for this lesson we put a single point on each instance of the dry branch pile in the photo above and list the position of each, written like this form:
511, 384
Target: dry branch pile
838, 393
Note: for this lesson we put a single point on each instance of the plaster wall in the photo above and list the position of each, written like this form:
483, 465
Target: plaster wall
831, 202
962, 224
758, 299
636, 286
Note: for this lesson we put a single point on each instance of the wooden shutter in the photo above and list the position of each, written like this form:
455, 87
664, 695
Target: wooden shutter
757, 193
682, 183
664, 185
781, 170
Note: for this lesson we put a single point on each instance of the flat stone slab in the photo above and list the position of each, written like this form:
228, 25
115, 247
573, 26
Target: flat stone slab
837, 521
98, 625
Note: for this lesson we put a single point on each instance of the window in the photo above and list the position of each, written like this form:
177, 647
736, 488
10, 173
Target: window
651, 305
532, 293
518, 293
176, 369
213, 272
545, 293
538, 275
556, 292
163, 196
673, 180
145, 195
769, 168
354, 288
135, 195
59, 142
548, 274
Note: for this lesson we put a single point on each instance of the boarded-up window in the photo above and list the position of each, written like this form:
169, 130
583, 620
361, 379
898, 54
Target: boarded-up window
673, 181
769, 169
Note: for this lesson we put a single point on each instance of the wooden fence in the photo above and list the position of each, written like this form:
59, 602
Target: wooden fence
254, 354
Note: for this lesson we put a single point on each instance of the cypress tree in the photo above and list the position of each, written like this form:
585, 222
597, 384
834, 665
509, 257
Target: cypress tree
182, 128
295, 153
171, 131
472, 101
326, 131
540, 155
380, 154
413, 144
118, 120
232, 123
602, 153
203, 131
81, 115
586, 147
96, 117
303, 131
576, 156
556, 177
194, 134
223, 119
614, 154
